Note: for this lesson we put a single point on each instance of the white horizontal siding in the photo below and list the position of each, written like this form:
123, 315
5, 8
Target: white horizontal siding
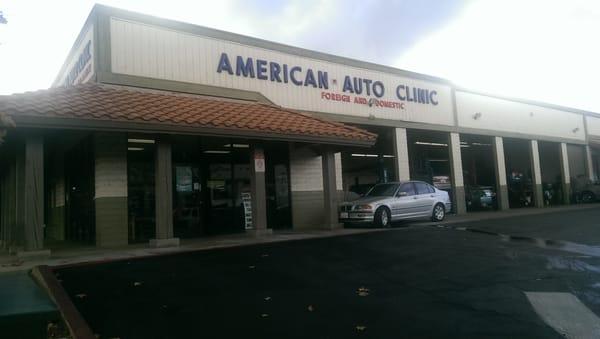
509, 116
155, 52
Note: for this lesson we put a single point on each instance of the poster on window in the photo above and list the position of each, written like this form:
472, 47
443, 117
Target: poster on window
183, 178
259, 161
281, 186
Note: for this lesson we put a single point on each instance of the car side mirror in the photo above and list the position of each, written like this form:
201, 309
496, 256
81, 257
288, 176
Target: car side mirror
402, 194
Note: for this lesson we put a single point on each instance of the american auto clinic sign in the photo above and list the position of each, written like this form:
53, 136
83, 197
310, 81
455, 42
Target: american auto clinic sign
354, 90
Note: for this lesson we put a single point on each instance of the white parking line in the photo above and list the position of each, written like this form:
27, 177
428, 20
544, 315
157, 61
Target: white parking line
565, 313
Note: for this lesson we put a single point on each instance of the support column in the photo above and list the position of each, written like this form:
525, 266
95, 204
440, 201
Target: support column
33, 198
401, 164
163, 186
589, 165
565, 173
500, 171
536, 172
459, 205
110, 198
258, 191
330, 195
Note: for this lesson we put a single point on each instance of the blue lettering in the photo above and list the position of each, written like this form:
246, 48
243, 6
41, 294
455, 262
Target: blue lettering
310, 78
224, 64
421, 96
378, 89
348, 85
398, 90
285, 73
247, 69
261, 69
294, 70
323, 81
275, 70
368, 86
432, 94
357, 85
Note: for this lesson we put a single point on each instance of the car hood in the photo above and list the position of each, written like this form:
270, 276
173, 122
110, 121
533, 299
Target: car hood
365, 200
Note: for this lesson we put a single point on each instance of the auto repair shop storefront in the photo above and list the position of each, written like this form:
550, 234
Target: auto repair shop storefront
157, 130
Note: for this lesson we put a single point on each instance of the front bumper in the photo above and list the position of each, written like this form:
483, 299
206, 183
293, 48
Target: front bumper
355, 216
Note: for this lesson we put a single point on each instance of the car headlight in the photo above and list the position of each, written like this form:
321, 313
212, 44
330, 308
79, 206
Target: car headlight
363, 208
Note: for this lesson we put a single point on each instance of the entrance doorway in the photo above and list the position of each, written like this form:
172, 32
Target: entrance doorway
79, 182
211, 186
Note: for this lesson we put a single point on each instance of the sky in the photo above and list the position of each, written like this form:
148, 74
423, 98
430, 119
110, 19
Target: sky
543, 50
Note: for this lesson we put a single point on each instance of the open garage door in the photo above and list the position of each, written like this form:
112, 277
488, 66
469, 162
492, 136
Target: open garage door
478, 172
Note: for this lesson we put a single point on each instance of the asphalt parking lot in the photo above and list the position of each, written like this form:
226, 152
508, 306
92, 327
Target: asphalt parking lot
424, 281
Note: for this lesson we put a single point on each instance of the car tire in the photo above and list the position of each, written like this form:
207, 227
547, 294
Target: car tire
439, 213
587, 197
382, 217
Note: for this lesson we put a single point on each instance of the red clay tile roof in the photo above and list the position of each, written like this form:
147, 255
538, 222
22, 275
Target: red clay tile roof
92, 103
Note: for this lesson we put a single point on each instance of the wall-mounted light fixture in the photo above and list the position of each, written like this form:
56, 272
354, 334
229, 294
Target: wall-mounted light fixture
476, 115
576, 129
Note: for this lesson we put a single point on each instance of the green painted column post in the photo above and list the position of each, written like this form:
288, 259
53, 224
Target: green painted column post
110, 185
33, 197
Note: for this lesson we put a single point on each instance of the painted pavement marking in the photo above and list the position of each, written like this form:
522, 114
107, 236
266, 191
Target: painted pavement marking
565, 313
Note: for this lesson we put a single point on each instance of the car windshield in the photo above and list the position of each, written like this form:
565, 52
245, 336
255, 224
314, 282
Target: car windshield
383, 190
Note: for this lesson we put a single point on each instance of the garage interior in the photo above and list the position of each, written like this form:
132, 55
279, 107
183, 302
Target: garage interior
364, 167
478, 172
519, 179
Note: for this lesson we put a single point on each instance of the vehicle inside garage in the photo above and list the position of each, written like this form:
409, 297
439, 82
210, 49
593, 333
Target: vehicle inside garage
364, 167
519, 174
551, 175
429, 158
478, 172
577, 173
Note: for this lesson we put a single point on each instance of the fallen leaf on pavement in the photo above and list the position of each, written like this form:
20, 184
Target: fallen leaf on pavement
251, 267
361, 328
264, 315
81, 295
267, 298
363, 291
137, 283
310, 308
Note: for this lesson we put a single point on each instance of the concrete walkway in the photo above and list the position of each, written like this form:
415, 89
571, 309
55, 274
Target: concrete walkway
72, 256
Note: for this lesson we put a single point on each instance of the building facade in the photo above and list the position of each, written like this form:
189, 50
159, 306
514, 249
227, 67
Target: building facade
157, 130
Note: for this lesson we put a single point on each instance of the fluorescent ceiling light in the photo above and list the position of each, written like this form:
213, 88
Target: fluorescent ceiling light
480, 144
365, 155
388, 156
438, 160
141, 141
135, 148
217, 152
237, 145
430, 144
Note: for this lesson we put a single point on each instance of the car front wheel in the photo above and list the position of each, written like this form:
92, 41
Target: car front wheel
382, 217
439, 213
587, 197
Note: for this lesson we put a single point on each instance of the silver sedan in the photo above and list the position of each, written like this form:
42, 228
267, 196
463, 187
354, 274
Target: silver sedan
393, 201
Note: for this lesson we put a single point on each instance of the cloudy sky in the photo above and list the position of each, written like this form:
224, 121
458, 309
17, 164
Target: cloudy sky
545, 50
